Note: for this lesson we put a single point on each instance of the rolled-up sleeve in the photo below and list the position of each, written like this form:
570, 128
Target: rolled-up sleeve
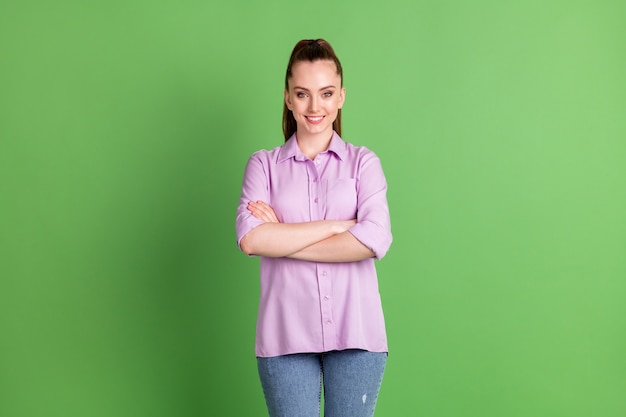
254, 188
373, 227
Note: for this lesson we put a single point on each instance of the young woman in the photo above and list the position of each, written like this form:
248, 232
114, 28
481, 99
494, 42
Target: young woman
315, 210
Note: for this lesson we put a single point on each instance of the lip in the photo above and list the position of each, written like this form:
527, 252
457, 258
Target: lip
314, 119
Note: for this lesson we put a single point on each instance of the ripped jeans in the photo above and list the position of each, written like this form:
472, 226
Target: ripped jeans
292, 384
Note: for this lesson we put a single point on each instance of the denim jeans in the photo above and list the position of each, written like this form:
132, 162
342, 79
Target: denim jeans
292, 384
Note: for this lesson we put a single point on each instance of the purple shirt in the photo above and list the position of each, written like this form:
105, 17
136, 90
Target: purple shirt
318, 306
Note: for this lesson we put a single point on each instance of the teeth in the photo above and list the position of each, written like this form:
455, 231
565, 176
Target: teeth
315, 119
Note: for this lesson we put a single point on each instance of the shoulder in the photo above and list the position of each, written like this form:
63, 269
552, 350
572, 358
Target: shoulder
349, 151
360, 153
266, 155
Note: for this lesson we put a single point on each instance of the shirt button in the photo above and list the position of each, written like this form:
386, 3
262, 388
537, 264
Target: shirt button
315, 200
326, 298
324, 273
329, 322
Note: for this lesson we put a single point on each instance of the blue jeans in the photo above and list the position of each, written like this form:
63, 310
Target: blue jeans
292, 384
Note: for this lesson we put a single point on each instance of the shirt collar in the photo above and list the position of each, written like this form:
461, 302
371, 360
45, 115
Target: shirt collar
291, 150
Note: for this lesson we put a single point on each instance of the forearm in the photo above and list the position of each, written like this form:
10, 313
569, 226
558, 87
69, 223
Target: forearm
342, 247
276, 240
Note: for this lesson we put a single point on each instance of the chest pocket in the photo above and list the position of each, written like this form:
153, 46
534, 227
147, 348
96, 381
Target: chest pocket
341, 201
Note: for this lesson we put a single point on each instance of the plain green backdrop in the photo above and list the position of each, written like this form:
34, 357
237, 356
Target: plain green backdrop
124, 130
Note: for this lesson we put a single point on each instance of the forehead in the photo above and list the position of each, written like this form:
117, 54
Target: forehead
320, 73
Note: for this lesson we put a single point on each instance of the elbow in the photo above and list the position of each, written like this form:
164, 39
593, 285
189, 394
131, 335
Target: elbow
373, 236
245, 246
382, 249
252, 244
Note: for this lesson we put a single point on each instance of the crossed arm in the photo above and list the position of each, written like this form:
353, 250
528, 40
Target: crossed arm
318, 241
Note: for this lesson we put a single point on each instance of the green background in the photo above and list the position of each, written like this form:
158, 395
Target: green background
124, 130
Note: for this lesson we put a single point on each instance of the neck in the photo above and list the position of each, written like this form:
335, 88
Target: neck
312, 145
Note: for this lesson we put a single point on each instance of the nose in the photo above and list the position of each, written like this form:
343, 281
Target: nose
314, 104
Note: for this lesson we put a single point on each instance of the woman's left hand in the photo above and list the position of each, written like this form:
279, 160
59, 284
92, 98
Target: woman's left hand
263, 211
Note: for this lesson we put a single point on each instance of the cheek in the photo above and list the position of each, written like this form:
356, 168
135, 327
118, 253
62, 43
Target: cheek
298, 107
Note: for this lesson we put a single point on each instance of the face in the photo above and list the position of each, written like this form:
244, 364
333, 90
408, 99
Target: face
314, 97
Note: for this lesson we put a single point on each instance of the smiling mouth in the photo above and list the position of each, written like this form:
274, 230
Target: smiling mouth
315, 119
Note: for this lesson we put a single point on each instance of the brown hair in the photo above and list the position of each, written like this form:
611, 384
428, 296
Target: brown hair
309, 50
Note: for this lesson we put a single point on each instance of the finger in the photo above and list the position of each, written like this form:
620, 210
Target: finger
263, 211
260, 212
268, 211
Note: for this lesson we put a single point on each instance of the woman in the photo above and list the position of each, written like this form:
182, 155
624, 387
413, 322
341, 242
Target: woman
315, 210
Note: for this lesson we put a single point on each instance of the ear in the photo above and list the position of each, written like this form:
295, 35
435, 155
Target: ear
288, 100
342, 97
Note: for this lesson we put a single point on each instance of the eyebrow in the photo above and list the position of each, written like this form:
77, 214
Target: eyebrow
306, 89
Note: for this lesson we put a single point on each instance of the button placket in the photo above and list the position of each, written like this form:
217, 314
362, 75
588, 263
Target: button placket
315, 188
325, 291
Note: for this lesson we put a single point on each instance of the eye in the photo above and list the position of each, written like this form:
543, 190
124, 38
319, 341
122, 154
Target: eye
301, 95
328, 94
